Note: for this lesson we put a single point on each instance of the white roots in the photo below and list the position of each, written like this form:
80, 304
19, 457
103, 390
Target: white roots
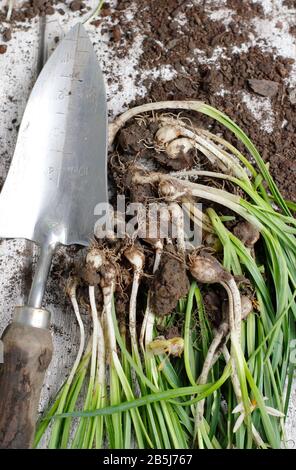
100, 340
136, 258
173, 136
108, 287
206, 269
72, 295
10, 9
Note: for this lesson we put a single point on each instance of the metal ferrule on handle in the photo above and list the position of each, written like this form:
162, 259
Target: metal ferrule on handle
41, 275
30, 316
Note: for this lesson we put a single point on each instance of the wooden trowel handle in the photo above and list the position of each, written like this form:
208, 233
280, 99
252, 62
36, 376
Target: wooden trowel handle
27, 354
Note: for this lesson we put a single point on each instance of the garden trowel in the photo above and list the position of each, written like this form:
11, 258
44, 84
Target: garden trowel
57, 176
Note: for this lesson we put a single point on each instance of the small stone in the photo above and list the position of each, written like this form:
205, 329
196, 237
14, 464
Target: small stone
264, 87
3, 48
292, 96
61, 11
6, 34
56, 39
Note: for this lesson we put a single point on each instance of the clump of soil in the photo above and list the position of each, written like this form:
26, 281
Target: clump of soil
30, 9
283, 168
170, 283
122, 292
213, 301
62, 269
264, 87
137, 140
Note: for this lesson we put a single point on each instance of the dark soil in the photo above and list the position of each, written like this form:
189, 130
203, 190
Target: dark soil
247, 233
171, 42
184, 160
136, 140
63, 268
169, 284
32, 8
213, 302
122, 293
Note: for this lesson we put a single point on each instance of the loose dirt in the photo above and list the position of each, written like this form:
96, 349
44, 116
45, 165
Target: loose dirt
214, 52
32, 8
137, 140
236, 56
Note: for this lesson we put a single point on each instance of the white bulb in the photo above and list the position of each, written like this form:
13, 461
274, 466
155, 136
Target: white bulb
135, 257
177, 146
166, 189
95, 258
166, 134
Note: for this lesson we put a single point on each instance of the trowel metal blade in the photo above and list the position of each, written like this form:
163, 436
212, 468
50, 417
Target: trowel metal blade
59, 169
